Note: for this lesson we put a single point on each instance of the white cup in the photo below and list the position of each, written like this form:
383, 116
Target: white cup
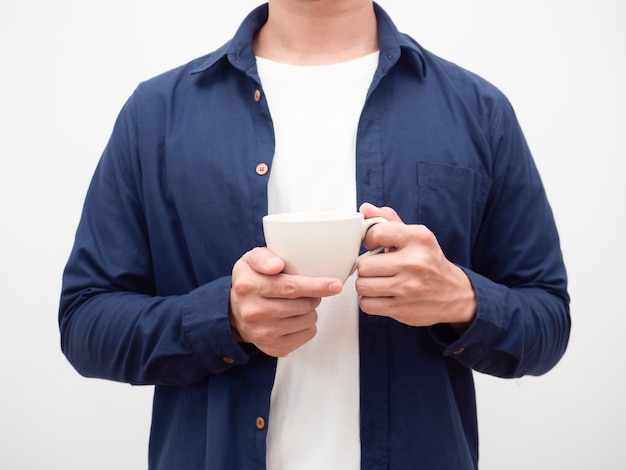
324, 244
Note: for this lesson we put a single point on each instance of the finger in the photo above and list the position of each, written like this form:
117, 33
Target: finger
376, 286
296, 323
270, 330
399, 235
288, 343
382, 265
390, 235
280, 309
289, 286
369, 210
381, 306
374, 268
263, 261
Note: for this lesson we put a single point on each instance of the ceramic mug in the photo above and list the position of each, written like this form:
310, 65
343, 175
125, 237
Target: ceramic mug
324, 244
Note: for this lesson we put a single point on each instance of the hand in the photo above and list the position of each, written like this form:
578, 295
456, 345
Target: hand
412, 282
274, 311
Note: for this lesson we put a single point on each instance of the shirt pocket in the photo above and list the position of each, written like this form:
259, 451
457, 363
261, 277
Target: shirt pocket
451, 203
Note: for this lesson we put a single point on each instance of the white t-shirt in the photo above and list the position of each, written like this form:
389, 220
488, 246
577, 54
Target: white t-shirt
314, 413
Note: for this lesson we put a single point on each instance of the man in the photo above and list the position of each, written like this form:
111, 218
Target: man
315, 105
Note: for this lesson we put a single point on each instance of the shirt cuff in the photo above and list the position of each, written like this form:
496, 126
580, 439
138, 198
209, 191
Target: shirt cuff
488, 325
207, 327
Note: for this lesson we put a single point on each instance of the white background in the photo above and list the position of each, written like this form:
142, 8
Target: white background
67, 66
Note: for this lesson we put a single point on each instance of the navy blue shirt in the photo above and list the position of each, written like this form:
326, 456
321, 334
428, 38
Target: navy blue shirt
179, 195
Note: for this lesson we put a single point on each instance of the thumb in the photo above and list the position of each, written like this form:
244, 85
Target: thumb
263, 261
370, 210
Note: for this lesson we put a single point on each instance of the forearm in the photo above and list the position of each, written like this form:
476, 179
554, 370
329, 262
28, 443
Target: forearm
140, 339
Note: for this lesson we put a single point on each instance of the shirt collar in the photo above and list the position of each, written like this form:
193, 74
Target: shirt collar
393, 44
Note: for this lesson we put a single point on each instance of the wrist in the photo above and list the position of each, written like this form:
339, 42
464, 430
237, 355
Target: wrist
465, 312
232, 320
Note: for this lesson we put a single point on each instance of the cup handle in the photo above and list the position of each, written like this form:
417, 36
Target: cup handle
367, 224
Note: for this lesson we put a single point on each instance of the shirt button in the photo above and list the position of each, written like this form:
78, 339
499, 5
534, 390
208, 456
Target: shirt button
228, 360
260, 423
262, 169
257, 95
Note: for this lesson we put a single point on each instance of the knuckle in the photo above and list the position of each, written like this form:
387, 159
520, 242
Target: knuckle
389, 212
264, 336
253, 313
289, 288
361, 286
311, 332
313, 318
424, 235
413, 286
273, 351
364, 270
243, 285
307, 308
367, 305
278, 353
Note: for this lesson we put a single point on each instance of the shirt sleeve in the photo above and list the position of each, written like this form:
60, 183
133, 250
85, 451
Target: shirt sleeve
522, 323
113, 323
